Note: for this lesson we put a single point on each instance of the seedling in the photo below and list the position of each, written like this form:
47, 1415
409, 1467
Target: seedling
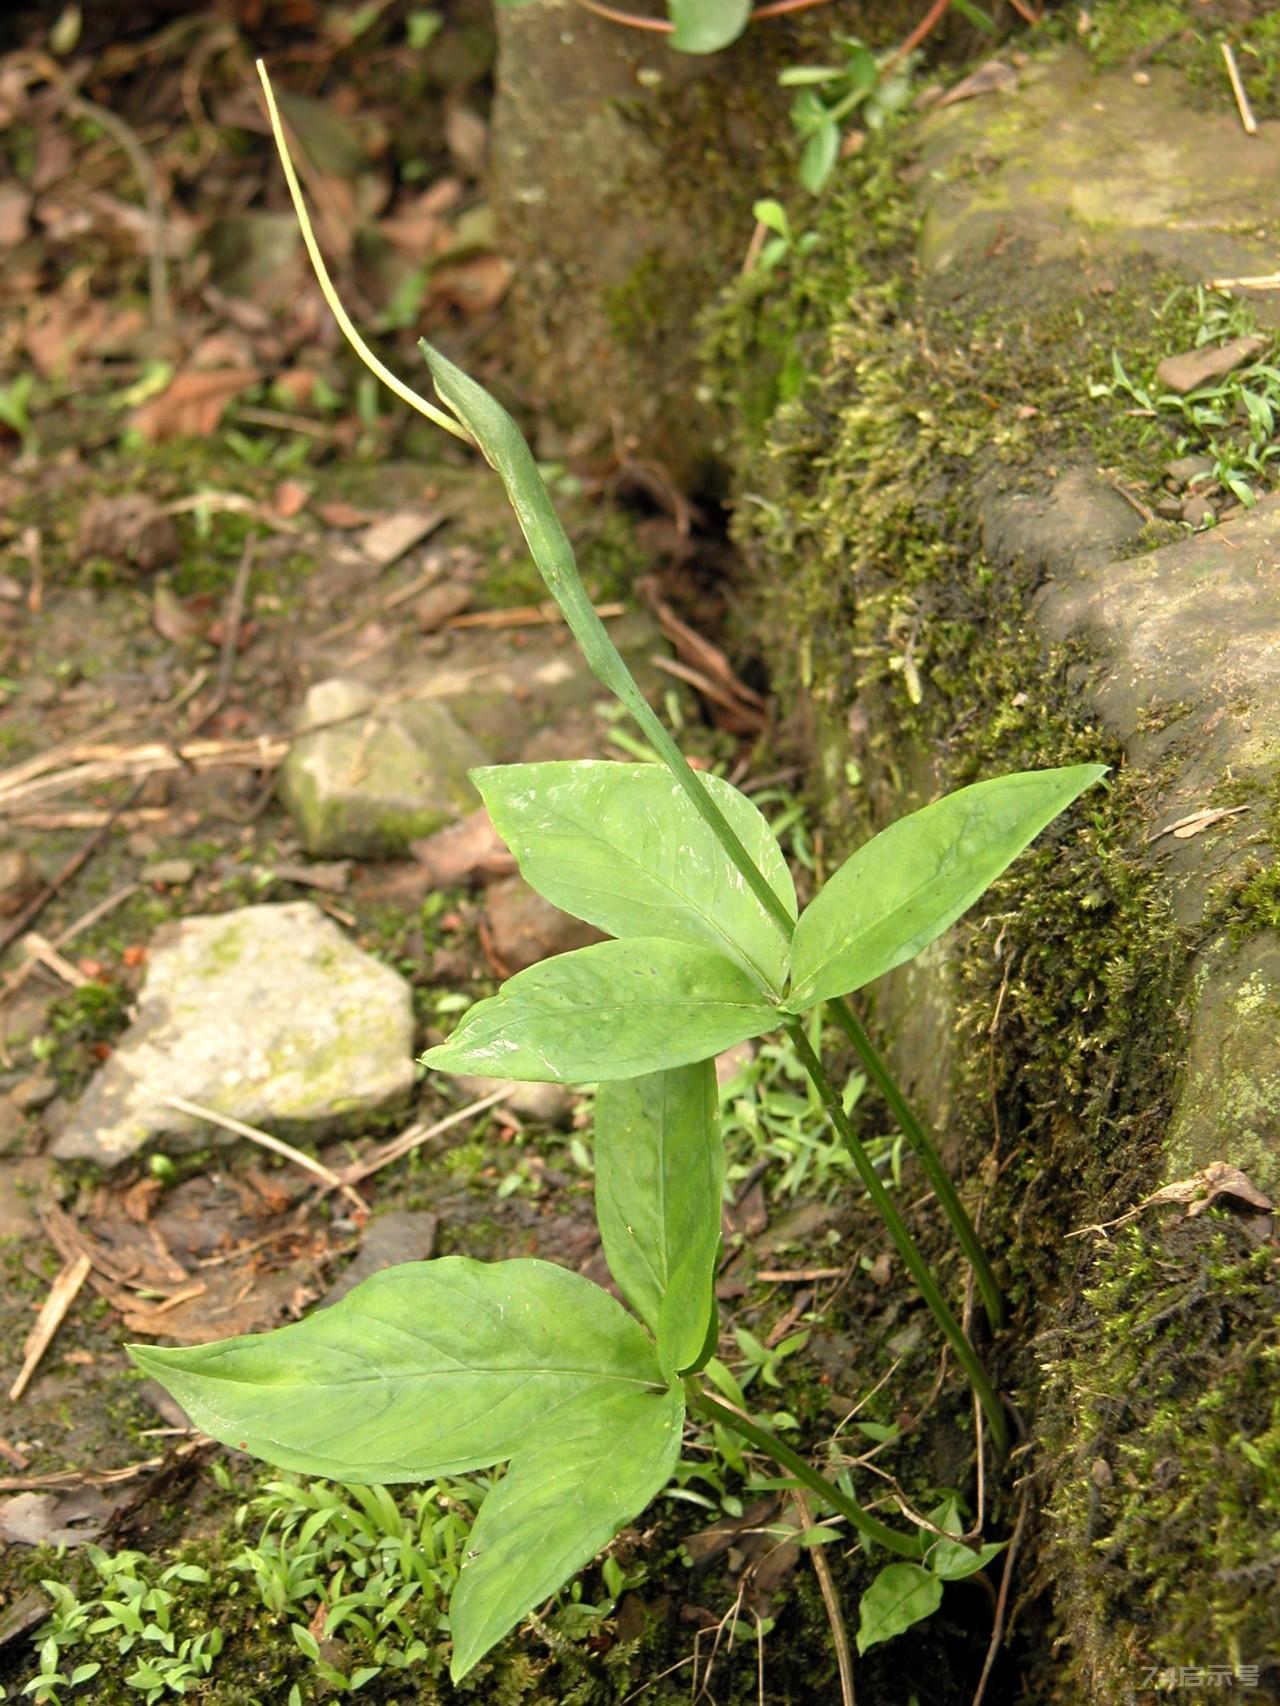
452, 1366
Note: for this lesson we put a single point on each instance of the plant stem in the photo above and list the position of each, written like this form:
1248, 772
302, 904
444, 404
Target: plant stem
906, 1246
930, 1160
906, 1546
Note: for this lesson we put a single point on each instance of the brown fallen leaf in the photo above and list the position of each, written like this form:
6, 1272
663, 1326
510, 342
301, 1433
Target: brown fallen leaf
131, 529
289, 498
474, 286
171, 618
387, 540
993, 78
1201, 1191
192, 404
342, 515
1195, 823
54, 1519
468, 852
15, 215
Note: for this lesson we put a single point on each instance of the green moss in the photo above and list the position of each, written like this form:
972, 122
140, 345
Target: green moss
1188, 36
1170, 1384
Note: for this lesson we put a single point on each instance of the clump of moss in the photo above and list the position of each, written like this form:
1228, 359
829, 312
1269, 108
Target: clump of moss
1189, 37
1169, 1377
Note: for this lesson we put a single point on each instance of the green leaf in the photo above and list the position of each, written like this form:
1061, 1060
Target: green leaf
611, 1011
772, 214
952, 1562
432, 1368
705, 26
902, 1594
659, 1179
623, 847
819, 156
906, 885
800, 76
559, 1503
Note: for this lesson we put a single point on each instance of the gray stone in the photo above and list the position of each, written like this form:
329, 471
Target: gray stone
381, 773
1184, 469
389, 1239
1198, 511
267, 1014
34, 1092
171, 872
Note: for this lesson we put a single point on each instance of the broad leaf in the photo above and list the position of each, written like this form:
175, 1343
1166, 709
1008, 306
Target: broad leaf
623, 847
818, 157
906, 885
659, 1177
562, 1499
432, 1368
611, 1011
900, 1595
705, 26
951, 1561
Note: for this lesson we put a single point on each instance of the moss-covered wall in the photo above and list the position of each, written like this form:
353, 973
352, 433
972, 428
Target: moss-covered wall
918, 453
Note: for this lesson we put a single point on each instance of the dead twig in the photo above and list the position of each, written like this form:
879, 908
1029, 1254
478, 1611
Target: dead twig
1002, 1598
62, 1294
414, 1138
16, 979
1238, 90
277, 1145
98, 1477
835, 1617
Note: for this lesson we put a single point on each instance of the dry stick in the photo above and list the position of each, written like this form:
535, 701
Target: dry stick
62, 1294
276, 1144
44, 953
100, 1478
1002, 1598
16, 979
413, 1138
81, 857
839, 1634
1237, 89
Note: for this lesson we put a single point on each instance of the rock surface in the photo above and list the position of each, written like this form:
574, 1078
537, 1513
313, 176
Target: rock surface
525, 928
382, 773
267, 1014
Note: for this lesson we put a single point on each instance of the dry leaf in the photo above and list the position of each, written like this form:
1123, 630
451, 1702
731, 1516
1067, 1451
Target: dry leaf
468, 852
474, 286
193, 404
993, 78
467, 137
171, 618
15, 216
1195, 823
387, 540
289, 498
1201, 1191
343, 515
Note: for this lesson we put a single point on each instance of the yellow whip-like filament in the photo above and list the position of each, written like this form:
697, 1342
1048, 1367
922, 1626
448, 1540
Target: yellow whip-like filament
401, 390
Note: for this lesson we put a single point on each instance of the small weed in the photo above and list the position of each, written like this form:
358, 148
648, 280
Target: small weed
1234, 422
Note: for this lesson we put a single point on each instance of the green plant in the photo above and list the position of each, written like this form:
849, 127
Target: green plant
773, 216
830, 94
446, 1367
1233, 421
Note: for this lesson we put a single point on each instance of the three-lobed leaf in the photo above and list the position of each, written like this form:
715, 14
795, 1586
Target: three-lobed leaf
431, 1368
561, 1500
436, 1368
622, 846
659, 1180
610, 1011
905, 886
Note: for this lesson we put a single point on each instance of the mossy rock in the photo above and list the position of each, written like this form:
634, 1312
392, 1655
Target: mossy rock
952, 579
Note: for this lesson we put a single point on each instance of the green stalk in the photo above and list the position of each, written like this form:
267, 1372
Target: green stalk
906, 1546
930, 1160
918, 1268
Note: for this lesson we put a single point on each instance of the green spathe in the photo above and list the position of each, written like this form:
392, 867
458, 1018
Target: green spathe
622, 846
659, 1179
905, 886
611, 1011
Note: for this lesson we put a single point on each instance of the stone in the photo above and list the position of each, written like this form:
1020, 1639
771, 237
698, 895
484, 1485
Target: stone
172, 873
387, 540
438, 604
19, 880
267, 1014
524, 928
21, 1181
1184, 469
383, 772
34, 1092
547, 1104
131, 529
1198, 512
1197, 367
402, 1235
